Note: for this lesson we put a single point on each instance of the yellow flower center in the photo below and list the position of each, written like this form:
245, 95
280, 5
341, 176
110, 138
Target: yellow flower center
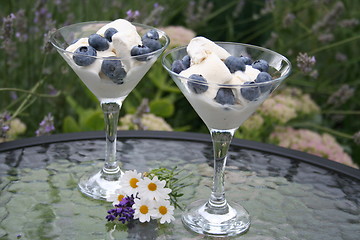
133, 182
163, 210
144, 209
152, 186
120, 197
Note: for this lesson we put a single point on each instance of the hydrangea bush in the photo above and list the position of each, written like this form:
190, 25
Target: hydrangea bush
323, 145
278, 110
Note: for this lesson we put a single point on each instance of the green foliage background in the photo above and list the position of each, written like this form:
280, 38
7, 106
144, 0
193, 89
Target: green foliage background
316, 27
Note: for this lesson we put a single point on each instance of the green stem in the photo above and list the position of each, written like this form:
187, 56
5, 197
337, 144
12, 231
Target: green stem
23, 104
325, 47
28, 101
344, 112
303, 26
219, 11
29, 92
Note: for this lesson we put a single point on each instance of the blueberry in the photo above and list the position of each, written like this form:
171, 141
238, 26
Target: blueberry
140, 50
250, 93
234, 64
114, 70
152, 34
152, 44
264, 77
197, 87
109, 33
225, 96
177, 66
98, 42
186, 61
246, 60
261, 65
84, 55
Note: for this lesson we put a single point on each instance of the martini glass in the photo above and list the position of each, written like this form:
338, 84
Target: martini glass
223, 108
111, 95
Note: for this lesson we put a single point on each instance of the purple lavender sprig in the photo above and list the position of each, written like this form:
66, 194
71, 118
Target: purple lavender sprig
4, 124
132, 15
46, 126
122, 211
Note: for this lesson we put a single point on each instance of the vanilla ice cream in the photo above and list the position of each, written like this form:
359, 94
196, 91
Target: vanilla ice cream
230, 97
116, 84
211, 68
200, 48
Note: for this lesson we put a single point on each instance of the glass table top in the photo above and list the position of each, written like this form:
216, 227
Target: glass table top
287, 198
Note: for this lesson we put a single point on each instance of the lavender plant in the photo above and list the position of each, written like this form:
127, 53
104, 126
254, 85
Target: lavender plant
319, 36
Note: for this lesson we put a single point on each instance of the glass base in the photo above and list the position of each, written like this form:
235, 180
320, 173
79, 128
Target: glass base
100, 184
229, 220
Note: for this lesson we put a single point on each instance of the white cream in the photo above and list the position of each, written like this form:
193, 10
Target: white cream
123, 41
251, 72
211, 68
216, 115
119, 24
79, 43
207, 59
103, 87
200, 48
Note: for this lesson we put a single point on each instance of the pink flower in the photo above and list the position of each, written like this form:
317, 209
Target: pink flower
323, 145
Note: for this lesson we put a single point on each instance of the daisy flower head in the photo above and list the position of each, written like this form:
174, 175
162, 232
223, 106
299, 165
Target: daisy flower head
144, 209
153, 189
116, 197
164, 211
129, 182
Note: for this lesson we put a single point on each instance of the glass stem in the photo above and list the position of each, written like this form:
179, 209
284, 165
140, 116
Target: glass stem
111, 116
221, 142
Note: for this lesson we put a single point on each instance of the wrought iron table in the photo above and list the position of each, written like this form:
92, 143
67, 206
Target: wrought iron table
289, 194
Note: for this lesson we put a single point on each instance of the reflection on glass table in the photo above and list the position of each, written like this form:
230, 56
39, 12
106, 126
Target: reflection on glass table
289, 194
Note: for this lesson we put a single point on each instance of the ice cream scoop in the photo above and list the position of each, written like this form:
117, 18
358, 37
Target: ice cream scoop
200, 48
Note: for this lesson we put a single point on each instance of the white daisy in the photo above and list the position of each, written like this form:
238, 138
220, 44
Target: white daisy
153, 189
144, 209
116, 196
164, 211
129, 181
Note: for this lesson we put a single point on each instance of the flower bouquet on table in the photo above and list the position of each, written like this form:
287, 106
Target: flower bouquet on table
146, 196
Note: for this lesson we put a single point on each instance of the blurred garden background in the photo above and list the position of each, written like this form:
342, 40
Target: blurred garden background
316, 110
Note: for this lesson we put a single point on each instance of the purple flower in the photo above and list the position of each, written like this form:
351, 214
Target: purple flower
52, 90
288, 20
123, 211
132, 15
110, 217
197, 12
305, 62
4, 124
46, 126
7, 30
330, 19
343, 94
349, 23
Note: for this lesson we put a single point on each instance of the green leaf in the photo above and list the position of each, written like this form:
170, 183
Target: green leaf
162, 107
92, 120
129, 107
70, 125
74, 105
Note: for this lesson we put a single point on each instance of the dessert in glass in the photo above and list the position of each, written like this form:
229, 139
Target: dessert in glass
110, 58
224, 83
